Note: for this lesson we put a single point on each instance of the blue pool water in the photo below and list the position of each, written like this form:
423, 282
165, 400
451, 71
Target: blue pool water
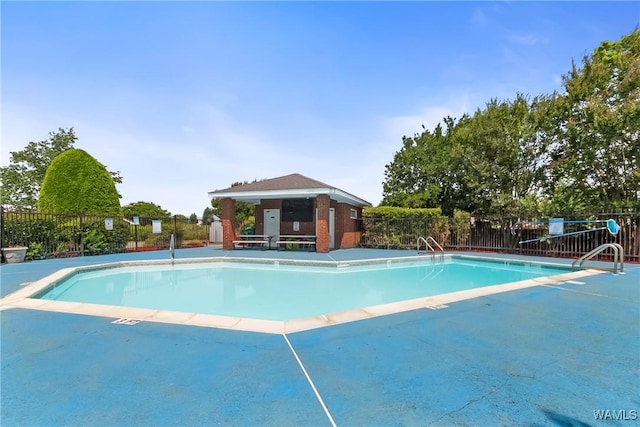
283, 292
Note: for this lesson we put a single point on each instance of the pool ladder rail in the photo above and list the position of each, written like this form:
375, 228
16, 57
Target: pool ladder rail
172, 247
618, 256
430, 249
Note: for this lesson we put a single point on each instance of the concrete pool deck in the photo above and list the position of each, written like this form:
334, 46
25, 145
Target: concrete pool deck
544, 355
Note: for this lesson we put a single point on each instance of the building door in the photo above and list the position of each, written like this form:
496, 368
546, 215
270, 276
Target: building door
332, 227
272, 225
215, 232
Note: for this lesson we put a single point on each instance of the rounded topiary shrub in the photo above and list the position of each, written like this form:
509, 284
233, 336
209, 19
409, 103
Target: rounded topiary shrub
76, 182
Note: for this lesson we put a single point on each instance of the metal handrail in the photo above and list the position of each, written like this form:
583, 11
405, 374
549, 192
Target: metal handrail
172, 247
618, 256
435, 243
430, 248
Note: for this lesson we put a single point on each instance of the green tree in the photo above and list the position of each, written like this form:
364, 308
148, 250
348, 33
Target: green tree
76, 182
20, 181
594, 131
422, 172
207, 215
22, 178
145, 210
193, 218
482, 163
245, 212
501, 161
568, 152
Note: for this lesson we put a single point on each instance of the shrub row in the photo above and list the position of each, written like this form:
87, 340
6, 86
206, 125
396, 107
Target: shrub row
63, 235
396, 227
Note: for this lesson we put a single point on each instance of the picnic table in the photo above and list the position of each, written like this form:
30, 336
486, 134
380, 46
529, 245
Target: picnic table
252, 240
298, 240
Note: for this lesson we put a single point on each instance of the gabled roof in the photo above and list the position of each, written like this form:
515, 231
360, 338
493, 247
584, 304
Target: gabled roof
295, 181
286, 187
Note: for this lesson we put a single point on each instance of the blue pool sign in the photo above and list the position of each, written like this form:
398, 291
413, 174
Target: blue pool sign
556, 226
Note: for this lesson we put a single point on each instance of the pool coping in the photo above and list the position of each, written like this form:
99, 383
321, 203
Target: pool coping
26, 296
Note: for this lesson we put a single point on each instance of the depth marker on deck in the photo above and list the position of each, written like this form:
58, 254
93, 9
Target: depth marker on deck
125, 321
313, 387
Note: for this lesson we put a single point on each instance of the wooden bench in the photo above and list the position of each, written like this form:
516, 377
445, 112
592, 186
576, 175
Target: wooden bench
297, 240
251, 240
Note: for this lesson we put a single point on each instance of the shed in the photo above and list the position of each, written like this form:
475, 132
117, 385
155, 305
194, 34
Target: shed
296, 205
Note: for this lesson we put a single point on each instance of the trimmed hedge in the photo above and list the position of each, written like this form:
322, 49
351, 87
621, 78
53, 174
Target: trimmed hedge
76, 182
393, 212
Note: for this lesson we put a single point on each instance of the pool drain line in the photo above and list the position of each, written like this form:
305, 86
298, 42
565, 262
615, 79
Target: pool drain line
313, 387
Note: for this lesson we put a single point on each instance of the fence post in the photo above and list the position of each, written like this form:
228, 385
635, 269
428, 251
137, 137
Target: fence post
81, 234
387, 233
1, 226
175, 229
2, 259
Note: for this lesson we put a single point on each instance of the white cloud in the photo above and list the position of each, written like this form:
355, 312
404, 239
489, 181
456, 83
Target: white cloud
478, 17
20, 126
351, 159
526, 39
410, 124
364, 177
245, 150
557, 79
177, 166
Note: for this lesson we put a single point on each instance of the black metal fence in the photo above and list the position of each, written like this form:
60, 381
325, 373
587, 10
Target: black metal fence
57, 235
508, 235
64, 235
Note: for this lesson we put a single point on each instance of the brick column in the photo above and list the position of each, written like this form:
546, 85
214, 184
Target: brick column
228, 215
322, 227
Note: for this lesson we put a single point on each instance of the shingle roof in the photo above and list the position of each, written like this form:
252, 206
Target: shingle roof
294, 181
288, 186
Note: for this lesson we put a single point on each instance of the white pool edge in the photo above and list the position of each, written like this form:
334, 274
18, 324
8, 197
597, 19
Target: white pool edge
23, 298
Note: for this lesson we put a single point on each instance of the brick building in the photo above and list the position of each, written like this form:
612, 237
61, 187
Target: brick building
296, 205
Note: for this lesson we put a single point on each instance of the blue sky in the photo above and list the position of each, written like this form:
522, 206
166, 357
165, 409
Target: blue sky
187, 97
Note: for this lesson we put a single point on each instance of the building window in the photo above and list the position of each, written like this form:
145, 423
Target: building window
297, 210
354, 214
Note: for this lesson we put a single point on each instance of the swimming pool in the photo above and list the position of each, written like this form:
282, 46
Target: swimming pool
282, 292
29, 296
